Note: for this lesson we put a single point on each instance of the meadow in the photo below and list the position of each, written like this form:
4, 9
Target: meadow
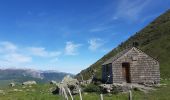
43, 92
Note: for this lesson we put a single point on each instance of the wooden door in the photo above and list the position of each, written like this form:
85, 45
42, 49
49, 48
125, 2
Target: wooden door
126, 72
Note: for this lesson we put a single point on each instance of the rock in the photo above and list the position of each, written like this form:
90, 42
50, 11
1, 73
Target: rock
67, 82
142, 88
53, 82
106, 88
33, 90
52, 89
16, 90
163, 85
27, 89
115, 88
12, 84
29, 83
55, 91
2, 92
71, 83
85, 93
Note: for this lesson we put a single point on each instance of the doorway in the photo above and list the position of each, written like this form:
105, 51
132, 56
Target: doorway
126, 72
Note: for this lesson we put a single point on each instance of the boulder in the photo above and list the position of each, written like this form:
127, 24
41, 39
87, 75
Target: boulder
115, 88
29, 83
12, 84
67, 82
53, 82
106, 88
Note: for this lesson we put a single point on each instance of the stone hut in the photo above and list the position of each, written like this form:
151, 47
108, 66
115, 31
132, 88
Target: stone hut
131, 66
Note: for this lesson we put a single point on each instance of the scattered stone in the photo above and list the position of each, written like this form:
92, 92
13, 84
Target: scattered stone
29, 83
33, 90
106, 88
17, 90
163, 84
85, 93
27, 89
12, 84
143, 88
2, 92
52, 89
125, 87
53, 82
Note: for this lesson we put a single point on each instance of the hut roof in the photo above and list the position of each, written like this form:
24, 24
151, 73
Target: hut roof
112, 59
116, 56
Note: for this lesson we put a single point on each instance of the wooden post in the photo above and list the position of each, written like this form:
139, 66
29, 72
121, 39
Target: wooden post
65, 94
70, 93
80, 94
130, 95
101, 96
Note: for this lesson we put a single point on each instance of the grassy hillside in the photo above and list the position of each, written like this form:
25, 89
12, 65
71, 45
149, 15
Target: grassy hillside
154, 39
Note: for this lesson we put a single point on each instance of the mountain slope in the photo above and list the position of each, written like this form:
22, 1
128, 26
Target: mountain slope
154, 39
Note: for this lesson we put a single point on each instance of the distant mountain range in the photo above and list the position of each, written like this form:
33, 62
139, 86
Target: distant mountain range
21, 75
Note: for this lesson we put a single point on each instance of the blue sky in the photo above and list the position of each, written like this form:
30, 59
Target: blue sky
68, 35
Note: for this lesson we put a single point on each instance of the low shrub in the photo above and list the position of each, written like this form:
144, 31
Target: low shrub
92, 88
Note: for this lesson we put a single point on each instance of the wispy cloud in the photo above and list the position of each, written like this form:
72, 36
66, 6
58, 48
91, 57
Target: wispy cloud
100, 28
129, 9
7, 47
13, 55
95, 43
17, 58
42, 52
10, 53
71, 48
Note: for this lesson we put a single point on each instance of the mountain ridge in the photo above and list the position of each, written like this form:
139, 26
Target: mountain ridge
21, 75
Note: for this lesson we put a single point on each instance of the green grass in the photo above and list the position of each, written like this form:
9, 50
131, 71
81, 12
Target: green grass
36, 92
42, 92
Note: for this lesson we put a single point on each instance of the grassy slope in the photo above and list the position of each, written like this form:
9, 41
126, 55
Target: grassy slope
154, 39
41, 92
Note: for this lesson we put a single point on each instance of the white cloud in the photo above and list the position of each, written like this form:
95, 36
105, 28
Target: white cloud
10, 54
42, 52
17, 58
13, 55
95, 43
7, 47
130, 9
98, 29
71, 48
101, 28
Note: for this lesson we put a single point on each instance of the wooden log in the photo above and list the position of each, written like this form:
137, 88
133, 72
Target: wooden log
70, 93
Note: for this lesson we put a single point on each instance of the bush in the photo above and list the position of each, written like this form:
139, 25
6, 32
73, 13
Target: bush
92, 88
